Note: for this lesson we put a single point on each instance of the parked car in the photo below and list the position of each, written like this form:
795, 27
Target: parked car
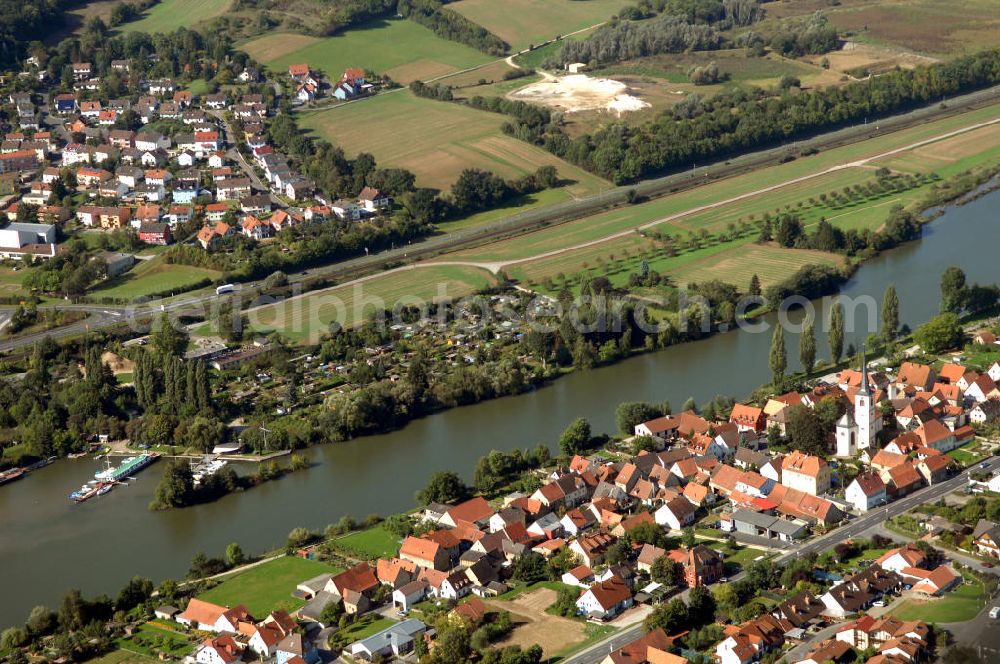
995, 612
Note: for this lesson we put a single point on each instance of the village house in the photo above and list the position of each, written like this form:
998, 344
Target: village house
805, 472
605, 600
866, 492
210, 617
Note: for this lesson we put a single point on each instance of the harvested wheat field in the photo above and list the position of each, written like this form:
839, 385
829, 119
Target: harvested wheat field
533, 625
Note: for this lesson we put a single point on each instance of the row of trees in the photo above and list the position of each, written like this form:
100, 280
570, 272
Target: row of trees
452, 25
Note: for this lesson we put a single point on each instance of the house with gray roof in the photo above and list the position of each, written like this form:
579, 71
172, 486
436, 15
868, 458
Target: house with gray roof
396, 640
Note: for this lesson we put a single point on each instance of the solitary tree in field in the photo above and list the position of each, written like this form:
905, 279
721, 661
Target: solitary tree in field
835, 336
779, 359
890, 315
754, 288
807, 347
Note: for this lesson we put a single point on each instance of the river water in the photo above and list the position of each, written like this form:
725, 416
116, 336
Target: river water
48, 544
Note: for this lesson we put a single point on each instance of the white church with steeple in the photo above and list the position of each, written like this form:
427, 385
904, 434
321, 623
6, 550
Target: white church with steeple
858, 430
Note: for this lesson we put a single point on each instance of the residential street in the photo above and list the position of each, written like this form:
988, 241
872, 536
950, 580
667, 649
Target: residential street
857, 527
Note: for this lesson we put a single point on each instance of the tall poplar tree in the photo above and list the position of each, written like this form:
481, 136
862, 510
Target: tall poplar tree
835, 336
890, 315
807, 347
779, 358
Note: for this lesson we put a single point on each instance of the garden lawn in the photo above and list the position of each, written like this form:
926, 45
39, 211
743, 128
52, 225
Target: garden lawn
964, 455
10, 281
305, 319
372, 543
151, 277
123, 657
743, 557
523, 23
359, 631
438, 140
267, 587
403, 49
168, 15
961, 604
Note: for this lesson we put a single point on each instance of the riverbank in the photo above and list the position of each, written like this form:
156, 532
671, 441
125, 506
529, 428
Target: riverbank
47, 540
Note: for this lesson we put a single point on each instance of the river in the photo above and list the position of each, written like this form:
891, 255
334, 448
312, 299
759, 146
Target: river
49, 545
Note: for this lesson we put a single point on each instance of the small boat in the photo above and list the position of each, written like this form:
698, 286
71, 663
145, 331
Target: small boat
104, 489
11, 475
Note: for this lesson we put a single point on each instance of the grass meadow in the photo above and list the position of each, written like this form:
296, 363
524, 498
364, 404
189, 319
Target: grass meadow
437, 140
370, 544
168, 15
523, 23
403, 49
267, 587
153, 276
307, 318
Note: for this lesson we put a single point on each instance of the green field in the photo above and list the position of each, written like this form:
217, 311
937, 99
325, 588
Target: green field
10, 281
405, 50
622, 219
961, 604
267, 587
168, 15
437, 140
153, 276
123, 657
372, 543
522, 23
305, 319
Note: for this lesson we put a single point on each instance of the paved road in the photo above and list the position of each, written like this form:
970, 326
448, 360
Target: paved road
854, 528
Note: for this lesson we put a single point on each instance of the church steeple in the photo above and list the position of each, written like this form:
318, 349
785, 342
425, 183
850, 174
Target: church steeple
865, 390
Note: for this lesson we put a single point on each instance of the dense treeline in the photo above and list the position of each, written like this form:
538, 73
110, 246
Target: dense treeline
727, 12
738, 120
813, 36
900, 226
21, 22
56, 406
452, 25
625, 40
321, 19
384, 405
182, 54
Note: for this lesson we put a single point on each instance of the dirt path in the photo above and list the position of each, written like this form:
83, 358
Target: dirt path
496, 266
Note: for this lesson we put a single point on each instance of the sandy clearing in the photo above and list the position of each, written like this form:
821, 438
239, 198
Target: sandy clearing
533, 625
579, 92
